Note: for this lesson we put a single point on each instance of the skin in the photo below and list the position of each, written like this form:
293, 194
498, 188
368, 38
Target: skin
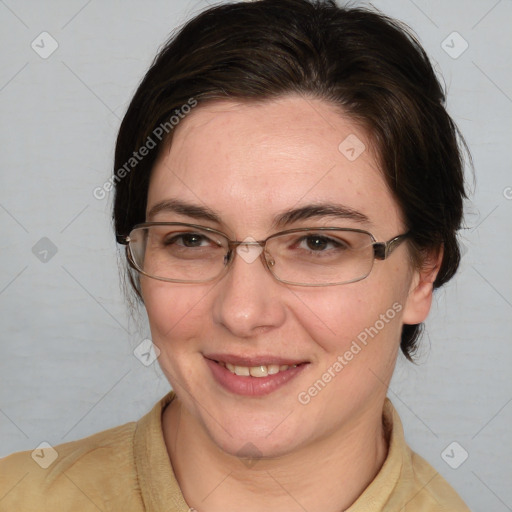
248, 162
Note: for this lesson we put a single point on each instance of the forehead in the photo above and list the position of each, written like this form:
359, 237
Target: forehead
248, 161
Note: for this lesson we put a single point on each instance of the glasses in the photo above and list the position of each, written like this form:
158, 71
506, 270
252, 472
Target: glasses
188, 253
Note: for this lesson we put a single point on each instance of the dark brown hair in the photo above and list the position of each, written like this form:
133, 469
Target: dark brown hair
368, 65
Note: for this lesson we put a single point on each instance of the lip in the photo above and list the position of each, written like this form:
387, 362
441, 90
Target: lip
253, 360
252, 386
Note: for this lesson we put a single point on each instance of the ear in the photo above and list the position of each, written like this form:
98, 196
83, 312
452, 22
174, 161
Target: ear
421, 288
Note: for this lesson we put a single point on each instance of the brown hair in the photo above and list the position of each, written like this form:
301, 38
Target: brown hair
370, 66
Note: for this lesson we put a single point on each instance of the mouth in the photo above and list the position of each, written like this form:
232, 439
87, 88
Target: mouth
259, 371
253, 376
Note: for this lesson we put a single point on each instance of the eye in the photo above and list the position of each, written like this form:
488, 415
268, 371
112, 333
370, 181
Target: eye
188, 240
320, 243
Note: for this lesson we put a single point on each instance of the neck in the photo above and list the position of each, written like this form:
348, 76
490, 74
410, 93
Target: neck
329, 474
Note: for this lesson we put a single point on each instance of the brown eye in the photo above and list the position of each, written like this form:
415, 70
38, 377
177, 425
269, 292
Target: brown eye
187, 240
320, 243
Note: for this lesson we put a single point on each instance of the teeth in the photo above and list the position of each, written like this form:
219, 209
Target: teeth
273, 369
256, 371
243, 371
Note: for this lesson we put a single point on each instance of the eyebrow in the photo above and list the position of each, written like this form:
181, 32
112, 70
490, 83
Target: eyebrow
312, 211
281, 220
183, 208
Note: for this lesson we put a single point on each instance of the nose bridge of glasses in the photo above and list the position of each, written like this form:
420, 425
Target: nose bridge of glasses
237, 243
248, 242
263, 253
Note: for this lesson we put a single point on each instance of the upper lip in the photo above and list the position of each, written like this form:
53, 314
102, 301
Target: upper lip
250, 361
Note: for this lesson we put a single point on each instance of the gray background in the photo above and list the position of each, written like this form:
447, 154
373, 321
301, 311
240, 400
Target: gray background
67, 367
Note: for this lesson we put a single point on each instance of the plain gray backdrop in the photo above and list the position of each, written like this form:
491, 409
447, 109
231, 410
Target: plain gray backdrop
67, 367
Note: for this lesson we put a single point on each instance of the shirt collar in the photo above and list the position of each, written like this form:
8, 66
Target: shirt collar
384, 485
158, 485
160, 490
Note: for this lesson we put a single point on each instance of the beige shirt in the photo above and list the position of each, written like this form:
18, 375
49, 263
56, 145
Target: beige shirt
128, 469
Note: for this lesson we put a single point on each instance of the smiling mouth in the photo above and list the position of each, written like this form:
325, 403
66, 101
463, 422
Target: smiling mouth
253, 375
263, 370
256, 366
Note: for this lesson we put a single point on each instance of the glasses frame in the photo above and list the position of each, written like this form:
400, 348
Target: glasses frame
381, 250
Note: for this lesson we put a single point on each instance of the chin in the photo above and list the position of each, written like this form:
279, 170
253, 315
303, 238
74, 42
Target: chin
255, 447
246, 437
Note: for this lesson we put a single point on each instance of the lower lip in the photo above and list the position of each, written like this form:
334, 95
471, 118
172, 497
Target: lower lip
252, 386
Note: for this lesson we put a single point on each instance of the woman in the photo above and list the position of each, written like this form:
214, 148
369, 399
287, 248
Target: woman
288, 188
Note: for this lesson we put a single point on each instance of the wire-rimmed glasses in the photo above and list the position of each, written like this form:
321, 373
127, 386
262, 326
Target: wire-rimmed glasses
189, 253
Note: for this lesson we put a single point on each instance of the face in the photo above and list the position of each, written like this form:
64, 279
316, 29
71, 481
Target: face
248, 164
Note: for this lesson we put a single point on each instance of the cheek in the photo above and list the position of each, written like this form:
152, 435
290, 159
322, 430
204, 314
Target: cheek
362, 340
336, 316
176, 312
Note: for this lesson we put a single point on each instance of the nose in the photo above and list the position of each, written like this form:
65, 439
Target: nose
249, 300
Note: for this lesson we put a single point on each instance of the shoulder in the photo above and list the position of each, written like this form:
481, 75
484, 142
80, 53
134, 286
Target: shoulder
433, 489
416, 485
82, 474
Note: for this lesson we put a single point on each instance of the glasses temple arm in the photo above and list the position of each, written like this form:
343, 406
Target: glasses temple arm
383, 249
